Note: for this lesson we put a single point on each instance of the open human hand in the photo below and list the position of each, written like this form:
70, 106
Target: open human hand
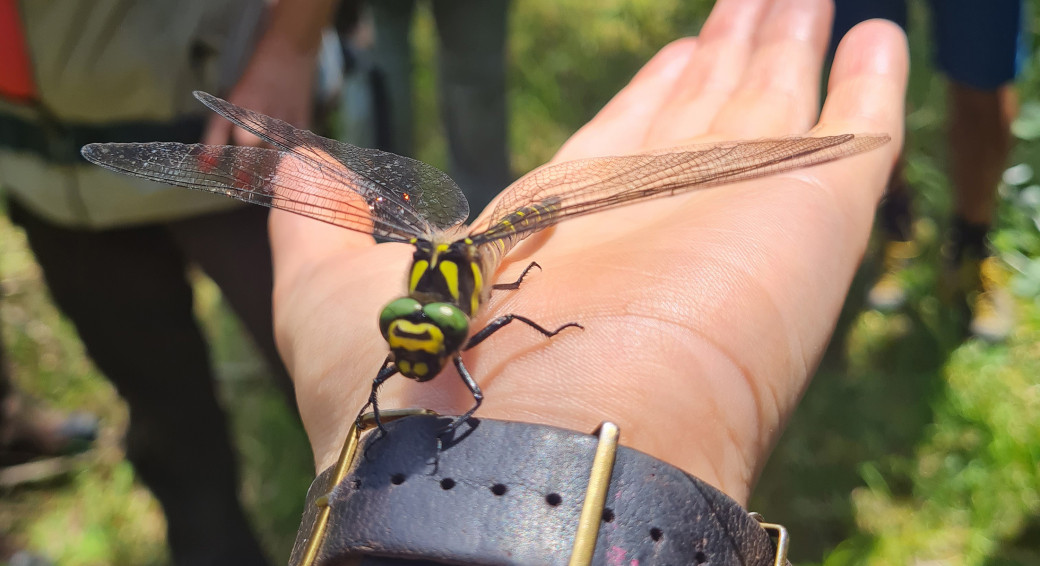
704, 314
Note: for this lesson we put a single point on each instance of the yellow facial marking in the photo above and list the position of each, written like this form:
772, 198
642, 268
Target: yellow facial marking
421, 337
417, 272
420, 369
450, 271
404, 366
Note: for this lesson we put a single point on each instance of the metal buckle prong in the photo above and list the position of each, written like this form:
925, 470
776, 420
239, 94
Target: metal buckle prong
346, 459
595, 495
782, 538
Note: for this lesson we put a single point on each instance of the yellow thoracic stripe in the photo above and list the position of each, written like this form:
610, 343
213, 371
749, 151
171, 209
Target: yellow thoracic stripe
417, 272
441, 248
421, 337
478, 288
450, 271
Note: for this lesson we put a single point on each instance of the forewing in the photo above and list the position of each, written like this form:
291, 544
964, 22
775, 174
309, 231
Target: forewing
424, 191
591, 185
268, 177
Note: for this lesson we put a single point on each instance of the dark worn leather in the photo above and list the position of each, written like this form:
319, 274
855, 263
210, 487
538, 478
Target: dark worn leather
488, 498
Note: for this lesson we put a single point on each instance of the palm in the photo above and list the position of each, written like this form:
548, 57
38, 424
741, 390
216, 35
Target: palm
703, 313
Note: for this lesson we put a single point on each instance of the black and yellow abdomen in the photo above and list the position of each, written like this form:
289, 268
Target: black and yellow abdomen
520, 219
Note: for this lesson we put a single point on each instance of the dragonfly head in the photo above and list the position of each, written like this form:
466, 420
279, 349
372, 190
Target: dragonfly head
422, 337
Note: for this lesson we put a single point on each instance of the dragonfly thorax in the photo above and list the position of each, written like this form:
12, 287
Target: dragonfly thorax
448, 272
422, 337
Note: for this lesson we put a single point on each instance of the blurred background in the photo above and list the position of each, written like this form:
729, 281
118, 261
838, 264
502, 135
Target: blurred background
914, 445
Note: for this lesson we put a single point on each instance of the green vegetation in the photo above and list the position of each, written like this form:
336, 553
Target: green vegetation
913, 444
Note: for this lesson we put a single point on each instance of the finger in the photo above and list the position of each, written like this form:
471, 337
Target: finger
621, 126
866, 94
246, 138
780, 90
218, 131
724, 48
221, 132
828, 215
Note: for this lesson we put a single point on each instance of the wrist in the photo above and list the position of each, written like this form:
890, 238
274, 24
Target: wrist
513, 493
721, 447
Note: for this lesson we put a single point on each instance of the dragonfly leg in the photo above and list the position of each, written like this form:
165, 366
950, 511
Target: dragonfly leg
478, 396
388, 370
516, 284
496, 324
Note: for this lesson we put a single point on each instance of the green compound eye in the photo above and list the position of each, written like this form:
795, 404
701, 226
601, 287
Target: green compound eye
397, 309
450, 319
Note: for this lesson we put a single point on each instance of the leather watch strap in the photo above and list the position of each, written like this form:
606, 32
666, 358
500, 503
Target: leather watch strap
512, 493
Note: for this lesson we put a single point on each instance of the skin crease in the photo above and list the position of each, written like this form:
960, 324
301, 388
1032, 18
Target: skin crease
705, 314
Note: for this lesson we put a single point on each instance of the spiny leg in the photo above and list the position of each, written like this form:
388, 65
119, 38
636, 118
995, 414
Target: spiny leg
388, 370
516, 284
478, 396
491, 328
496, 324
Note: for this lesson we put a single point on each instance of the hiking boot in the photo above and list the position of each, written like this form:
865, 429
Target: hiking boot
981, 284
991, 304
889, 292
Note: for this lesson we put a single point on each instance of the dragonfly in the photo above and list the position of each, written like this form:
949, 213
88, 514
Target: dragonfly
399, 199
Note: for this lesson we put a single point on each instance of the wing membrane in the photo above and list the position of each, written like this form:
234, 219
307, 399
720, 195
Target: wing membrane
585, 186
425, 194
268, 177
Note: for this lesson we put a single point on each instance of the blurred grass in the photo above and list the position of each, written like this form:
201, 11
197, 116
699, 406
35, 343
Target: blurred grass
913, 444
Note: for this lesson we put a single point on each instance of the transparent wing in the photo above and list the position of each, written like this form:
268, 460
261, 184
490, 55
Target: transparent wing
268, 177
424, 194
585, 186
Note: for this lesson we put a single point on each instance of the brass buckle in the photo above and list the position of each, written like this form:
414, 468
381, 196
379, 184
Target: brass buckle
595, 495
347, 456
782, 538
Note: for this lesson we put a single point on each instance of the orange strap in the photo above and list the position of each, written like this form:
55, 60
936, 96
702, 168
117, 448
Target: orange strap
16, 78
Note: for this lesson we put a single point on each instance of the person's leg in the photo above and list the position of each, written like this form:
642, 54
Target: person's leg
980, 143
125, 291
393, 60
233, 249
895, 224
980, 50
473, 94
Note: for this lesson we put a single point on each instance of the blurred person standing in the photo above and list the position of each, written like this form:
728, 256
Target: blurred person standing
114, 250
471, 61
979, 47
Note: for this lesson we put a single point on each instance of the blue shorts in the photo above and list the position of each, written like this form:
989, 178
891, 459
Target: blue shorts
977, 43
